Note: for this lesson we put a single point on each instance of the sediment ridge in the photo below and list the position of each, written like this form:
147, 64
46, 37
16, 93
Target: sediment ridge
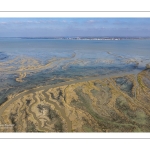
110, 104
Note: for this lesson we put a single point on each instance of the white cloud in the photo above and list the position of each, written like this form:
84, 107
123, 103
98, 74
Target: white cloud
3, 22
91, 21
30, 21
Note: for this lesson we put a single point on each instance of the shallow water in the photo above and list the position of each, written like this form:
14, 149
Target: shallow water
45, 49
47, 61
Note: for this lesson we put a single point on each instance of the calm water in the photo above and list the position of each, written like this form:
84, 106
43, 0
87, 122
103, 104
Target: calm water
73, 59
85, 49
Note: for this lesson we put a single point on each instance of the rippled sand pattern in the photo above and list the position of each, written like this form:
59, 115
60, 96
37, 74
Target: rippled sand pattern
119, 104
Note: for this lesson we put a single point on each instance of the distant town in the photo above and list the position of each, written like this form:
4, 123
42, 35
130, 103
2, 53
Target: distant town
88, 38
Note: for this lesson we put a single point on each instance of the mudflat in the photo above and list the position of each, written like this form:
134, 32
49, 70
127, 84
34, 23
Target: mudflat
111, 104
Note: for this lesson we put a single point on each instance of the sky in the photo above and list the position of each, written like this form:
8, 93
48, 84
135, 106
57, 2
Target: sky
58, 27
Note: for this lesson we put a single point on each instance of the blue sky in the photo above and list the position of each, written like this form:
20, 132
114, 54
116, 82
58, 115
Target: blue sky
49, 27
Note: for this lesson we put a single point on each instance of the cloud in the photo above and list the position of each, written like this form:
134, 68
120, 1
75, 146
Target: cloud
30, 21
64, 21
118, 22
74, 26
3, 23
91, 21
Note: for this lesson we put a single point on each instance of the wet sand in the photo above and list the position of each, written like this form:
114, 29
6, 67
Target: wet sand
65, 107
